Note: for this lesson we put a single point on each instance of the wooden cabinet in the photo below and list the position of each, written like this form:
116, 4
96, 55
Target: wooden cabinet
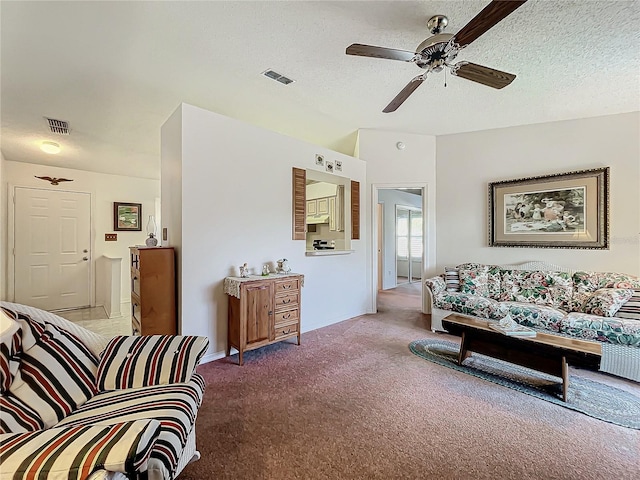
262, 311
312, 207
323, 205
153, 291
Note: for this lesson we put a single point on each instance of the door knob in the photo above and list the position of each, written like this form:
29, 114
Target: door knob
85, 258
85, 251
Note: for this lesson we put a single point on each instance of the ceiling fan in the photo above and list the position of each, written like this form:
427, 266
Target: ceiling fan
438, 51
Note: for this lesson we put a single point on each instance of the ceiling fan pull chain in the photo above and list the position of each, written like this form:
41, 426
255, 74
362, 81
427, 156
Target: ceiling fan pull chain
445, 78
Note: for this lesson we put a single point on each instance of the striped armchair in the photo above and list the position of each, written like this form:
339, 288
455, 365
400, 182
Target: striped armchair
79, 405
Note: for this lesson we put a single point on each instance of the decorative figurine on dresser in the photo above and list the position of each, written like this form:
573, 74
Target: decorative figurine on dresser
153, 291
262, 310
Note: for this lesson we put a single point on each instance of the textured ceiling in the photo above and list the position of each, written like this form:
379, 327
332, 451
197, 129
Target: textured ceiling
117, 70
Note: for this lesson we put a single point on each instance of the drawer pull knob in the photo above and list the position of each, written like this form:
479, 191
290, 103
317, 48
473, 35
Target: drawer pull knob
284, 333
288, 315
288, 300
286, 287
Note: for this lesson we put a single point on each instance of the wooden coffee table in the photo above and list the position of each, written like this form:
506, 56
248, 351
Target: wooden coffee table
545, 352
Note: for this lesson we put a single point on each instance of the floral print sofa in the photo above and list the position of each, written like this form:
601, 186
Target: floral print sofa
594, 306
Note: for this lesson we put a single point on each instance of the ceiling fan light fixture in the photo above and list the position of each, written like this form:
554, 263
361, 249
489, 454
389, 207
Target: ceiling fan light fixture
52, 148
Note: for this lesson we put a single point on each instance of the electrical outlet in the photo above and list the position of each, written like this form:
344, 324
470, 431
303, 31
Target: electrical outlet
110, 237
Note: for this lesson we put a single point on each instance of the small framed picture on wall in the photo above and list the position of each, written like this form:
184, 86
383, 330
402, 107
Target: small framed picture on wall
127, 217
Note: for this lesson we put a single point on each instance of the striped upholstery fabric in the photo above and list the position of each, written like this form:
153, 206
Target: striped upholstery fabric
630, 309
174, 406
451, 279
141, 361
10, 350
56, 374
76, 452
17, 417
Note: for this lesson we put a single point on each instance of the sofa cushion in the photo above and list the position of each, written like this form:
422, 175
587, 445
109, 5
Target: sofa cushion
475, 305
74, 453
174, 406
132, 361
17, 417
553, 289
631, 308
586, 283
535, 316
606, 301
479, 279
619, 331
56, 374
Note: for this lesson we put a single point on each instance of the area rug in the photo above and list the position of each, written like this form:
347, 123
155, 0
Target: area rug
597, 400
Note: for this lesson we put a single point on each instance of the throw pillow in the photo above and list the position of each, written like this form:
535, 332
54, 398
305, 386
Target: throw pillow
474, 279
56, 375
18, 417
132, 361
451, 279
631, 308
605, 302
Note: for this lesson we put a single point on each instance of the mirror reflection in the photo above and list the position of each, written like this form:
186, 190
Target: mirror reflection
325, 212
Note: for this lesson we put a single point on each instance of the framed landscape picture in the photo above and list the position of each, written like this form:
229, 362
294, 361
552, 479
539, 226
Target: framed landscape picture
126, 216
565, 210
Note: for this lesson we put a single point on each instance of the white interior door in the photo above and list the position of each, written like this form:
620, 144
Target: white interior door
52, 238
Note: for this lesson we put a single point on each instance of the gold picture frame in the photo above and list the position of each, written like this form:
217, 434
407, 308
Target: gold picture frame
565, 210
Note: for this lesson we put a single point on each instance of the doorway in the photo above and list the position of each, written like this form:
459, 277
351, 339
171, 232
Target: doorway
409, 244
51, 248
400, 236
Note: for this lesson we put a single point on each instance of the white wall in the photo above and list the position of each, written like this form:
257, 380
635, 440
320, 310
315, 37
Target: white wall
388, 166
3, 230
468, 162
105, 189
236, 207
391, 198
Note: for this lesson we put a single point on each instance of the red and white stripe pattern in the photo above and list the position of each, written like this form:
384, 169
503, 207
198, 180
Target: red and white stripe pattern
175, 406
17, 417
56, 375
10, 349
74, 453
140, 361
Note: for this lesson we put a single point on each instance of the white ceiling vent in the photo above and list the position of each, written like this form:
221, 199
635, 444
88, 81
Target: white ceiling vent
277, 77
58, 126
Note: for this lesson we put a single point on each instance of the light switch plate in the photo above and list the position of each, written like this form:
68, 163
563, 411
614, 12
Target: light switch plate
110, 237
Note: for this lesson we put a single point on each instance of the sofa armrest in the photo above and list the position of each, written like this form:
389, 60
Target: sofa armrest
77, 452
143, 361
435, 284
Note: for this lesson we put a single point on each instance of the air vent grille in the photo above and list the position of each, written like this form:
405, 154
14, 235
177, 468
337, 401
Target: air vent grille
58, 126
273, 75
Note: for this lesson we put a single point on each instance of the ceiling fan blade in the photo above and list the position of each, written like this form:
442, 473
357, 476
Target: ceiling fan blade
380, 52
487, 18
484, 75
404, 93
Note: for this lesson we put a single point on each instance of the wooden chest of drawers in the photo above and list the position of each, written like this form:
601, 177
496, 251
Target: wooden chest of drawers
153, 291
265, 311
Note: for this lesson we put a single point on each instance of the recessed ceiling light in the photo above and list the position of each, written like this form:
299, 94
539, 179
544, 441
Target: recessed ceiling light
50, 147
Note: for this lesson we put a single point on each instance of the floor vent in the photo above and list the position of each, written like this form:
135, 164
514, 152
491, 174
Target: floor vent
58, 126
277, 77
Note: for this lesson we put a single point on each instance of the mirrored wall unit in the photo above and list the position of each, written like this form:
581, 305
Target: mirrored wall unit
326, 212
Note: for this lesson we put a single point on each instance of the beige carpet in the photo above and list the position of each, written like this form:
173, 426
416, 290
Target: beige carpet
352, 402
